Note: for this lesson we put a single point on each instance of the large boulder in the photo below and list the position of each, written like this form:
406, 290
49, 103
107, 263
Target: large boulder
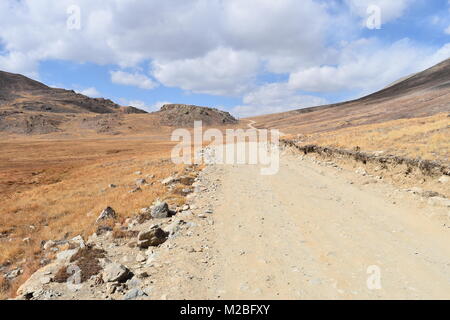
160, 210
115, 272
152, 238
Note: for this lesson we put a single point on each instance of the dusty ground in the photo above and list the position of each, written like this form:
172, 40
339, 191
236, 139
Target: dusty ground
312, 232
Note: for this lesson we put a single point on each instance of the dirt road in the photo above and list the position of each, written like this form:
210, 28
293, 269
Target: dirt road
311, 231
318, 232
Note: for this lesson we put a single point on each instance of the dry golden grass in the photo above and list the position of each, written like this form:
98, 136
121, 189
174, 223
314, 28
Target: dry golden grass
55, 189
427, 137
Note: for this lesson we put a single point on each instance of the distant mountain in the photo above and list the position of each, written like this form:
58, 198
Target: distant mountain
422, 94
19, 93
184, 115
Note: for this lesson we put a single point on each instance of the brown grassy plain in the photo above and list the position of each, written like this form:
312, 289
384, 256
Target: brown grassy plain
56, 188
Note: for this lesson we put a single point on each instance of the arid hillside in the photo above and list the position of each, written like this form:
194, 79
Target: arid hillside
424, 94
409, 118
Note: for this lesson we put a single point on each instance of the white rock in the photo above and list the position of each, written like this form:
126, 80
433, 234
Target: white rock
444, 179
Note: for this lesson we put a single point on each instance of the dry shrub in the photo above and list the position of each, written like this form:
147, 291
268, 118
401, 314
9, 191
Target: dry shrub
87, 259
5, 285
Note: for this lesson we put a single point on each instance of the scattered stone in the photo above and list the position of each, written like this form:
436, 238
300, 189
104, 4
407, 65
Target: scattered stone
13, 273
102, 230
141, 258
170, 180
361, 171
153, 238
112, 186
115, 272
134, 294
46, 280
160, 210
138, 173
107, 213
174, 227
140, 182
80, 241
444, 179
48, 244
185, 207
134, 190
66, 255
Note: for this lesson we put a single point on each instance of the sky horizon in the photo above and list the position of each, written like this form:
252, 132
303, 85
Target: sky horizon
247, 57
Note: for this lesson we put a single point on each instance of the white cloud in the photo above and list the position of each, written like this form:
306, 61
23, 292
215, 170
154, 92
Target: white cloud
274, 98
363, 65
447, 31
91, 92
220, 72
132, 79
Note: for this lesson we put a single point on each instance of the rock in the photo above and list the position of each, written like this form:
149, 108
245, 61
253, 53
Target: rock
66, 254
13, 273
170, 180
439, 201
134, 293
134, 190
80, 241
174, 227
107, 213
115, 272
133, 283
48, 244
361, 171
112, 186
141, 258
140, 182
138, 173
160, 210
102, 230
46, 279
444, 179
153, 238
185, 207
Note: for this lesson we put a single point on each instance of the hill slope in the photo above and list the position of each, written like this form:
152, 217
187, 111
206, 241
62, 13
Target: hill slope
20, 93
185, 115
423, 94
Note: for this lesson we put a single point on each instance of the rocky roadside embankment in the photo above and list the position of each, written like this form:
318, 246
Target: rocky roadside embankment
133, 260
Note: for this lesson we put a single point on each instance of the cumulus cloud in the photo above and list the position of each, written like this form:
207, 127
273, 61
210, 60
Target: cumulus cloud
91, 92
132, 79
274, 98
362, 65
223, 71
217, 47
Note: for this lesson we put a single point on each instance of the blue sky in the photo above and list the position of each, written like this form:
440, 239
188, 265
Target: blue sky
246, 56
